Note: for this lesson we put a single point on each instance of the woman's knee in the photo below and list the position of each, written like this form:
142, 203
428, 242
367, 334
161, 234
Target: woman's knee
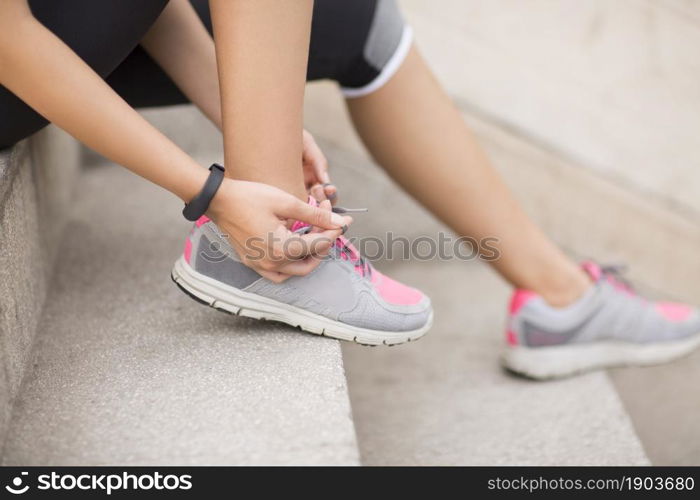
359, 44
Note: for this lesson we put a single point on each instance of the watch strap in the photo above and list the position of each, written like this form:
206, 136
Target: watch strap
199, 205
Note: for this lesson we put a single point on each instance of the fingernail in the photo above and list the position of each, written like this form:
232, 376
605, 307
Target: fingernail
345, 228
326, 184
332, 196
338, 220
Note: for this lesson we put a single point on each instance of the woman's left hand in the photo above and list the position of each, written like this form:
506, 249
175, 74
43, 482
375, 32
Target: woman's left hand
316, 177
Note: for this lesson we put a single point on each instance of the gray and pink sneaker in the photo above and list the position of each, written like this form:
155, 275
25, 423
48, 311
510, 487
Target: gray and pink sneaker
609, 326
344, 297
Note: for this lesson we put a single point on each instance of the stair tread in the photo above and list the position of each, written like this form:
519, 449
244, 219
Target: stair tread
129, 370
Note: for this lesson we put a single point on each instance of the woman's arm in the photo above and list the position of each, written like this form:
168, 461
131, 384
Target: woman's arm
46, 74
179, 42
262, 50
42, 71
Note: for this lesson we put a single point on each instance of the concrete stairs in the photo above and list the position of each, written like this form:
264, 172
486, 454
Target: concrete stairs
125, 369
122, 368
36, 182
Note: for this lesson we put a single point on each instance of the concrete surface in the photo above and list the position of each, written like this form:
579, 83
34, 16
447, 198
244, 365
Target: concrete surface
557, 193
609, 85
664, 406
36, 180
129, 370
444, 400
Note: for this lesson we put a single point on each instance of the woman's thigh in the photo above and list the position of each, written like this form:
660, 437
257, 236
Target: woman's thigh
353, 42
103, 33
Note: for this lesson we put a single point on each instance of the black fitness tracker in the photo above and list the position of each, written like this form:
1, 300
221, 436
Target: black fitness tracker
200, 203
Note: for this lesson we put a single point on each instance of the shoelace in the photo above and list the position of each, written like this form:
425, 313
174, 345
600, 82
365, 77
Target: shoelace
614, 273
345, 249
348, 252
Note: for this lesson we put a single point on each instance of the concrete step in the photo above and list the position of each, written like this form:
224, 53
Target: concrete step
588, 214
445, 400
36, 181
129, 370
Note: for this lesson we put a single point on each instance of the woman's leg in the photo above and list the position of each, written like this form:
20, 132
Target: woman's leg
262, 52
415, 132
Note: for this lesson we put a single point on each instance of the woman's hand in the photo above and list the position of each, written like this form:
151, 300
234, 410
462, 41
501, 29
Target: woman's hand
316, 177
255, 217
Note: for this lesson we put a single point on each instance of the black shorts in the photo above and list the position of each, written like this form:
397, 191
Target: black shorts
358, 43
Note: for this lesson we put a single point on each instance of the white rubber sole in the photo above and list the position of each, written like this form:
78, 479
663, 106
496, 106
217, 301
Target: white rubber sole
566, 360
234, 301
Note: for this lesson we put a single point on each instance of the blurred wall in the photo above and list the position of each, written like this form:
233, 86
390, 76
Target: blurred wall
612, 85
590, 110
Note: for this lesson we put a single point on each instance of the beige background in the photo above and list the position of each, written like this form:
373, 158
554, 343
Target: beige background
613, 85
589, 109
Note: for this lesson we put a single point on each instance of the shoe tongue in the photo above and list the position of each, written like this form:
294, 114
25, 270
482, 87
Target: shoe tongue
592, 269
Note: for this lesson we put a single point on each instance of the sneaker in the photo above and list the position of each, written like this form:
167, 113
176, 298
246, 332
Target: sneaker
609, 326
344, 297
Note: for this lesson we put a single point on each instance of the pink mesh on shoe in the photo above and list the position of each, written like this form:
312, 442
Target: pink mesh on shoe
519, 299
298, 225
673, 311
593, 269
202, 220
394, 292
613, 274
188, 249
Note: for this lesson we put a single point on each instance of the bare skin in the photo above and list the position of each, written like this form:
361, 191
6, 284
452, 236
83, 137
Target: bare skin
259, 45
40, 69
445, 169
181, 45
183, 48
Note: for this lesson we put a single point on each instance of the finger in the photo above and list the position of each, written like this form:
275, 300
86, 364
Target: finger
322, 251
318, 244
264, 268
279, 271
299, 267
331, 192
297, 209
314, 155
323, 205
274, 276
294, 247
318, 192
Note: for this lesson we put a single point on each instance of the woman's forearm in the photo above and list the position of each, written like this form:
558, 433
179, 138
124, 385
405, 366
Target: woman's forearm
179, 42
262, 51
46, 74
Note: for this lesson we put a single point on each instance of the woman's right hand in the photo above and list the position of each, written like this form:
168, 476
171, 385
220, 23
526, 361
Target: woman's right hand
255, 217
